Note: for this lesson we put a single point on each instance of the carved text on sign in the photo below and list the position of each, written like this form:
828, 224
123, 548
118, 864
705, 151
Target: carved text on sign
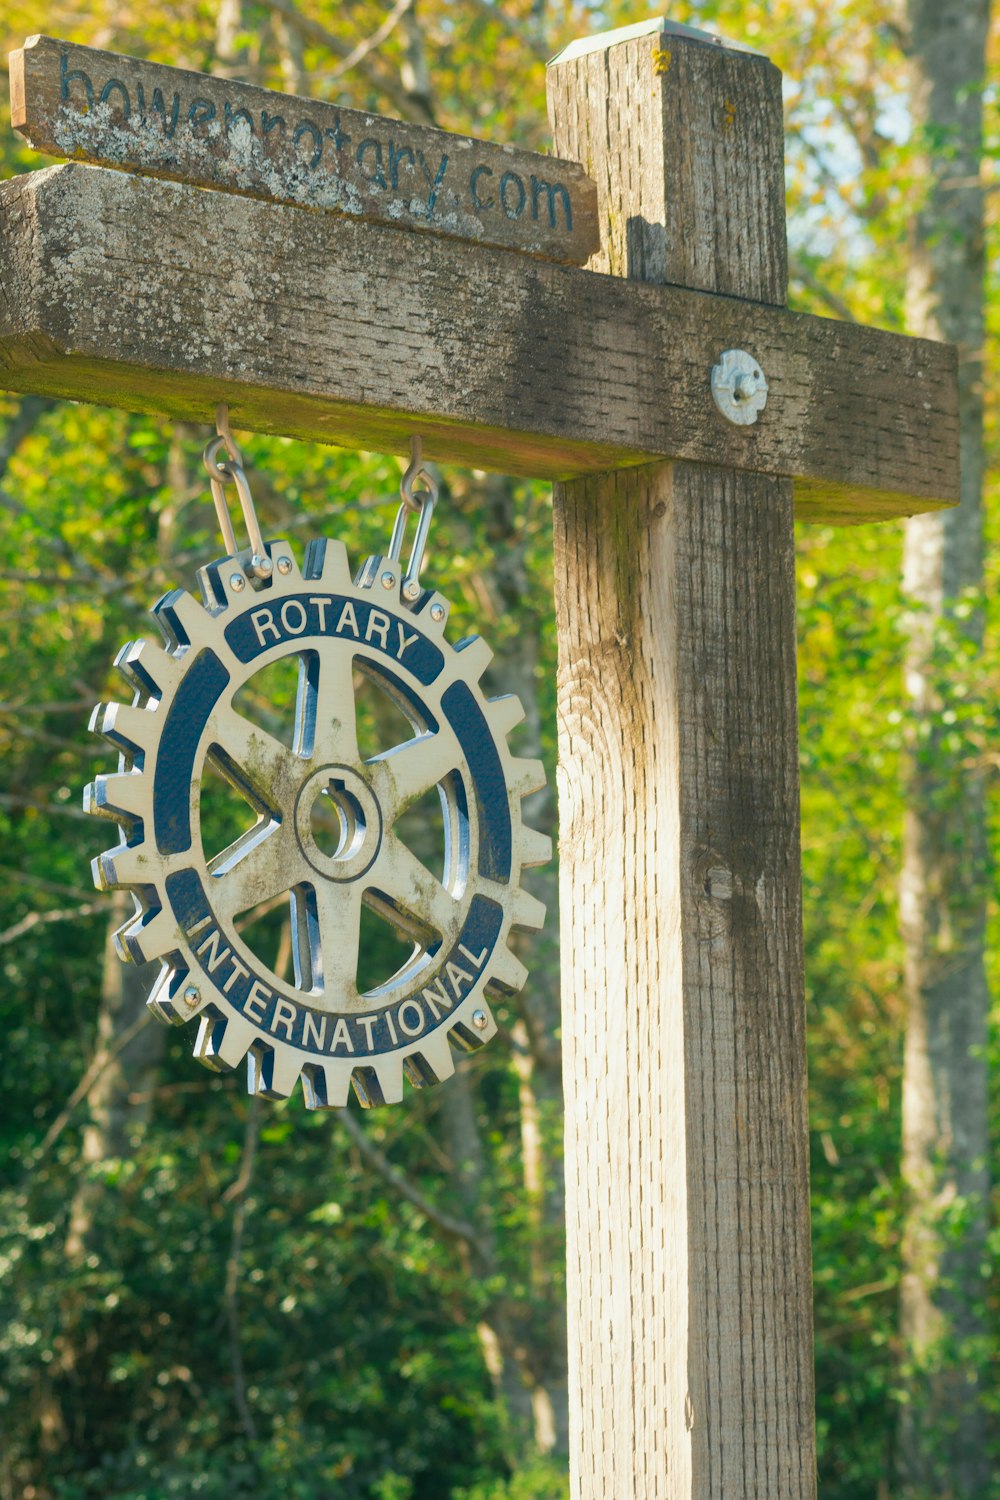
122, 112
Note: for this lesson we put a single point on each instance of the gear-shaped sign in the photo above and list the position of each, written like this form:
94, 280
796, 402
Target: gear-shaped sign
325, 839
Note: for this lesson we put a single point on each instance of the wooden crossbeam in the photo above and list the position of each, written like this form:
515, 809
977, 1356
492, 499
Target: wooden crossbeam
163, 298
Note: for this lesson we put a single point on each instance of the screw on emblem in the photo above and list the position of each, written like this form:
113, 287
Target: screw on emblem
739, 387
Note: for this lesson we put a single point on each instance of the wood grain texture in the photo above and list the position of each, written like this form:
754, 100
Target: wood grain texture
166, 122
683, 1024
165, 298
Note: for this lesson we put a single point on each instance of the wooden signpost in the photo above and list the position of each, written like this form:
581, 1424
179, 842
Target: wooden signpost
687, 1188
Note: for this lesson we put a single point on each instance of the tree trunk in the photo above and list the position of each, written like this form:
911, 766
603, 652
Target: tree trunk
944, 887
232, 56
523, 1342
120, 1098
537, 1054
127, 1049
499, 1340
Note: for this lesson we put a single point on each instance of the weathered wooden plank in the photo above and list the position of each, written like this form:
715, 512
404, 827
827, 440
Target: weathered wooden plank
144, 117
687, 1189
164, 298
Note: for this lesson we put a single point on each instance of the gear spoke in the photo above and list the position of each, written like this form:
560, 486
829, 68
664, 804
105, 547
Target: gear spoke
326, 718
338, 917
305, 938
408, 895
254, 763
264, 863
403, 774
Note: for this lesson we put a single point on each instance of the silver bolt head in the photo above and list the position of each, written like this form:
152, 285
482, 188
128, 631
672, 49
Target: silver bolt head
388, 580
437, 612
191, 994
411, 589
738, 387
284, 564
237, 582
479, 1019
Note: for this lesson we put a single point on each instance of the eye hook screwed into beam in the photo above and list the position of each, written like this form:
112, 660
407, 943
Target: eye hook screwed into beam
230, 470
422, 502
225, 432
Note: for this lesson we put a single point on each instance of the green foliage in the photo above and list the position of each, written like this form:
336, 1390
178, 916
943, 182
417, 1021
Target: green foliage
541, 1480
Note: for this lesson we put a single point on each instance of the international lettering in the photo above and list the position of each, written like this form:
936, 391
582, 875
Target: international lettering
326, 1034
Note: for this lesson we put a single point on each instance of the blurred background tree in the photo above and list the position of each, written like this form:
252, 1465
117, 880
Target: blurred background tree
203, 1295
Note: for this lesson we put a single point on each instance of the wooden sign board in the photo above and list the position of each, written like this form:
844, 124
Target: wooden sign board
139, 116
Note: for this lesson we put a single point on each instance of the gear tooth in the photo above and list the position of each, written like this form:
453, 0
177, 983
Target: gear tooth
504, 713
381, 1084
124, 654
289, 575
121, 935
147, 936
116, 797
375, 569
211, 587
366, 1088
536, 848
120, 869
526, 910
471, 1038
147, 667
272, 1071
390, 1077
223, 1041
507, 972
526, 776
326, 559
433, 1063
432, 612
174, 998
326, 1085
159, 999
180, 617
128, 727
476, 656
232, 590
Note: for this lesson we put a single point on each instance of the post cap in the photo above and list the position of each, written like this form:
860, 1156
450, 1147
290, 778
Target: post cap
657, 25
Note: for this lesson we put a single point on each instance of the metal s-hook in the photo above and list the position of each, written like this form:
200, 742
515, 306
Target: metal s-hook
422, 502
231, 470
